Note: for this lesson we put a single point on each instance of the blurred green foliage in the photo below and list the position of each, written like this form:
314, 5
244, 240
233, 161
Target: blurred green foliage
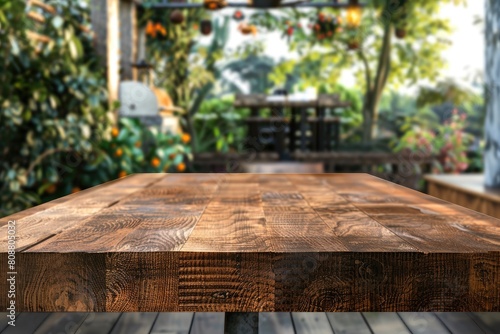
220, 127
53, 101
57, 134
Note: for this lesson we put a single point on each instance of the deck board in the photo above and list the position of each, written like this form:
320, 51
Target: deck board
269, 323
135, 323
207, 323
275, 323
67, 323
348, 323
311, 323
99, 323
382, 323
255, 243
173, 323
26, 323
459, 323
422, 323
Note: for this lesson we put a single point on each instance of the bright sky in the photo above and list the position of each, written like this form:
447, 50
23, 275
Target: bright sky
465, 56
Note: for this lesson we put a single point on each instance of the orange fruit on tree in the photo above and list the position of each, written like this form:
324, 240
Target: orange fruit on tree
181, 167
115, 132
150, 29
138, 144
119, 152
186, 138
172, 156
155, 162
122, 174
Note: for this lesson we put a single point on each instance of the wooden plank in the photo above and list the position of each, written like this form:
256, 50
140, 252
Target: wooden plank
382, 323
72, 282
66, 213
458, 323
61, 323
135, 225
276, 323
225, 282
132, 323
256, 243
207, 323
311, 323
354, 228
26, 323
348, 323
423, 322
98, 323
144, 282
173, 323
233, 221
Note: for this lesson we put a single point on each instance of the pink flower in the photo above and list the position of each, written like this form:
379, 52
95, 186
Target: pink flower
462, 166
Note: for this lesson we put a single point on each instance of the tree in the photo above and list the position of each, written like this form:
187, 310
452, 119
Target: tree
52, 101
492, 126
376, 56
249, 66
182, 65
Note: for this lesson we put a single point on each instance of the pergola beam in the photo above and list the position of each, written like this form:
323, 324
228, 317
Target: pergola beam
301, 4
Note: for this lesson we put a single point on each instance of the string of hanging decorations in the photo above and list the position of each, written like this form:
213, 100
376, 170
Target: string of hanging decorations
323, 26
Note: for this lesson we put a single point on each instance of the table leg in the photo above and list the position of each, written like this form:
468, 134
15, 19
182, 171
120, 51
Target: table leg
303, 129
293, 129
241, 323
337, 135
321, 129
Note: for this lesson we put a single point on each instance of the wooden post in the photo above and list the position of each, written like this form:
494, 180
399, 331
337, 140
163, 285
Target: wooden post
492, 74
105, 16
128, 38
113, 51
98, 10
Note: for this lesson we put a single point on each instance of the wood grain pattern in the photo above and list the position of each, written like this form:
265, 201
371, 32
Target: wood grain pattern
255, 243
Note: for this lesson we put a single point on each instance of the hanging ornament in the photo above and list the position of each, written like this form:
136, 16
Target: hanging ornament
325, 26
238, 15
289, 31
206, 27
214, 4
354, 14
353, 45
400, 33
176, 17
247, 29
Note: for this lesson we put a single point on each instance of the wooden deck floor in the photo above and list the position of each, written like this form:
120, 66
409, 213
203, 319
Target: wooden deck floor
280, 323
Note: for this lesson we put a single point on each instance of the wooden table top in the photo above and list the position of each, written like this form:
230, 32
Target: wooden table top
249, 242
290, 103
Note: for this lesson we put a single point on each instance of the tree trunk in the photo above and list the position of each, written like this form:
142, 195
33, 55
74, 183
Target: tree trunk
375, 89
369, 117
492, 70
